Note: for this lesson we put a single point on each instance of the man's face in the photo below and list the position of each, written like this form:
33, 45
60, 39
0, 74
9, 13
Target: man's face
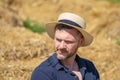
67, 42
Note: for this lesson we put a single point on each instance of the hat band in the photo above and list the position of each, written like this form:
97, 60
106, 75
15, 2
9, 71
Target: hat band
69, 22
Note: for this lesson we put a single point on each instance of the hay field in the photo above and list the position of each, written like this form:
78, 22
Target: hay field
21, 50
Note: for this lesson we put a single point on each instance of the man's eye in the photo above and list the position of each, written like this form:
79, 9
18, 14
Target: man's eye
58, 40
69, 42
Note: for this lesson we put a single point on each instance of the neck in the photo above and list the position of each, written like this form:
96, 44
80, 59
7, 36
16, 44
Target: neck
70, 63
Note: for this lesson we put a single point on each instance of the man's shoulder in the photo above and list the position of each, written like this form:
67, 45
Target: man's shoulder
44, 70
45, 67
46, 64
50, 61
87, 62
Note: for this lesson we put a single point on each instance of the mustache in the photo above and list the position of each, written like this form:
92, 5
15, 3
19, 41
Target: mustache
61, 50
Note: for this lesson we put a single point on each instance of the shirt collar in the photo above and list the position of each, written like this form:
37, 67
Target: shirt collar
56, 63
80, 62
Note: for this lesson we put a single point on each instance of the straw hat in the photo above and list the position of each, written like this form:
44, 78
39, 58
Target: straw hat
72, 20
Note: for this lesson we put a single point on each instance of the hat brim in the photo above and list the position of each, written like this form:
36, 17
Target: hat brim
50, 28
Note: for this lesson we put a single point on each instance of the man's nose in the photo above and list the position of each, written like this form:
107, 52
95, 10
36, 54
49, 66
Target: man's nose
62, 45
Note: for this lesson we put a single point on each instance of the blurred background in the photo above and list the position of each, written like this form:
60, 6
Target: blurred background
24, 43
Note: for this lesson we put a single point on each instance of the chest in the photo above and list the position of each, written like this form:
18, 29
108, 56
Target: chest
69, 75
78, 74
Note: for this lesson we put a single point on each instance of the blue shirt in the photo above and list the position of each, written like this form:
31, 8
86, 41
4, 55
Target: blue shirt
53, 69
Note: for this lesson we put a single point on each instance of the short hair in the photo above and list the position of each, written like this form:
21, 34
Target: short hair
63, 26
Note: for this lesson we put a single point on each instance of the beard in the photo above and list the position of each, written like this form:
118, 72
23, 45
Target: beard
63, 54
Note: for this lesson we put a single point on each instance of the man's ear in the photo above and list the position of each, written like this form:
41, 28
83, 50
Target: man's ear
82, 40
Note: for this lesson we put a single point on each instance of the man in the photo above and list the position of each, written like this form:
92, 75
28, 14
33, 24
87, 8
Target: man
69, 34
